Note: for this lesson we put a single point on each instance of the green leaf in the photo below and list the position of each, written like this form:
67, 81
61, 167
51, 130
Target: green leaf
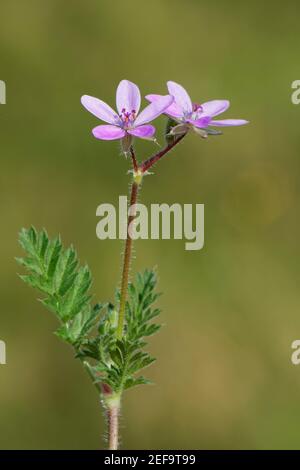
121, 360
91, 330
133, 382
55, 272
140, 309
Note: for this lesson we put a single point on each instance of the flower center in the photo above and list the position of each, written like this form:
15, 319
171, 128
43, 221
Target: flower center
127, 118
197, 107
197, 111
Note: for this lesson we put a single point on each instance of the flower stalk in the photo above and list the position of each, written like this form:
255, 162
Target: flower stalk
147, 164
113, 406
127, 258
138, 171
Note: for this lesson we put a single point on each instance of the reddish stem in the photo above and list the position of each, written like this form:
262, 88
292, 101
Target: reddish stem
126, 263
134, 161
113, 427
154, 159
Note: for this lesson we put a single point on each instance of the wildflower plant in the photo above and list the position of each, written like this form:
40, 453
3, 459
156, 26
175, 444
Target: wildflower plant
110, 339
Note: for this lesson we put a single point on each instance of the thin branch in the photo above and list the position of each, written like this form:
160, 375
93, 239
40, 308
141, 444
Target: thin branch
126, 263
147, 164
134, 161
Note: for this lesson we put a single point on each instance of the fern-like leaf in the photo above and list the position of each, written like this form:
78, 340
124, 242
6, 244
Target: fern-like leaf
91, 330
120, 361
55, 272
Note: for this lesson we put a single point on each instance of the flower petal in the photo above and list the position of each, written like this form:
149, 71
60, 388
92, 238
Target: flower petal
107, 132
128, 97
181, 96
215, 107
173, 110
201, 122
144, 132
229, 122
153, 110
100, 109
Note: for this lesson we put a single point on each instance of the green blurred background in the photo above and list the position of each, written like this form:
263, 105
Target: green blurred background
224, 378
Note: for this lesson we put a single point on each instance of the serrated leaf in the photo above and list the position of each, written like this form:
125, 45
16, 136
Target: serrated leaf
54, 271
133, 382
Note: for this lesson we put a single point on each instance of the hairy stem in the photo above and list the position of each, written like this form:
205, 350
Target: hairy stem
113, 425
113, 412
113, 408
133, 158
138, 171
126, 263
147, 164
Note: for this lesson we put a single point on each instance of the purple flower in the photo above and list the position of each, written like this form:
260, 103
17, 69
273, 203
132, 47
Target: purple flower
127, 122
194, 115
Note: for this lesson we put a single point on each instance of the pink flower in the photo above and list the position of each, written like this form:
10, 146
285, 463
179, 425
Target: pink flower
194, 115
127, 122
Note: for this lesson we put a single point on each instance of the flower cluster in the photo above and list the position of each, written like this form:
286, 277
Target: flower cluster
127, 122
191, 115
